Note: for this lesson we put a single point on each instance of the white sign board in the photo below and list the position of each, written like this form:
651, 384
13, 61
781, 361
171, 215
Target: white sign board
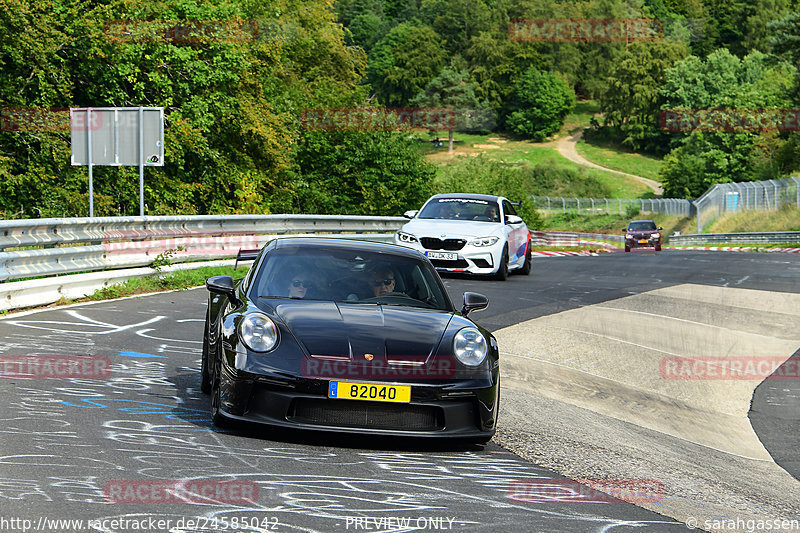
114, 136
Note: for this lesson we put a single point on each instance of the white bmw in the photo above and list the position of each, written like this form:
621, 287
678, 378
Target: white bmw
473, 233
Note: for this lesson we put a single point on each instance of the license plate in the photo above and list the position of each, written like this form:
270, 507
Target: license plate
642, 241
444, 256
346, 390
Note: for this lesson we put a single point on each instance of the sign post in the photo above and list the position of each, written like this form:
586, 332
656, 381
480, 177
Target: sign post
117, 136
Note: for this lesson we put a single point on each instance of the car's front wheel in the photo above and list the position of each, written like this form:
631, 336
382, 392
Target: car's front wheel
502, 269
216, 395
627, 248
205, 375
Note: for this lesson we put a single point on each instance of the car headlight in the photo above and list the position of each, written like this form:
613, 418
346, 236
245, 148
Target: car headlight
258, 332
469, 346
406, 237
628, 236
484, 241
655, 236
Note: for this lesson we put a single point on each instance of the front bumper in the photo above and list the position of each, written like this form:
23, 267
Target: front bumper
642, 243
469, 259
457, 409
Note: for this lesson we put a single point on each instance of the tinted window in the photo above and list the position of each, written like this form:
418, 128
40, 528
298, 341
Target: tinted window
347, 276
643, 225
461, 209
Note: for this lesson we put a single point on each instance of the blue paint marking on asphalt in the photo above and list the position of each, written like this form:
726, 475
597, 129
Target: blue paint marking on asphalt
147, 408
141, 354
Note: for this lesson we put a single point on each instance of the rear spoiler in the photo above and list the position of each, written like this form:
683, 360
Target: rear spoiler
245, 255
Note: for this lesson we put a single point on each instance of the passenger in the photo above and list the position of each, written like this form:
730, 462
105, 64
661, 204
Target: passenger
381, 281
299, 284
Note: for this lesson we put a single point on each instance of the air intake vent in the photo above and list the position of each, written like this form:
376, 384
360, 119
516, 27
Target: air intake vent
358, 414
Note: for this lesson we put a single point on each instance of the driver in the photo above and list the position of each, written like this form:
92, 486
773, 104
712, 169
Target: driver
381, 281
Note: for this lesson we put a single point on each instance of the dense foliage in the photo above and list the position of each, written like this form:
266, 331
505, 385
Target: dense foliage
236, 141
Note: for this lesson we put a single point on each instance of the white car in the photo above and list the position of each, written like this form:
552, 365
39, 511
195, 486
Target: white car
473, 233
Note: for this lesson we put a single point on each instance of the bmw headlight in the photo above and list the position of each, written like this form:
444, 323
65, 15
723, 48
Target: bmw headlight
406, 237
484, 241
258, 332
655, 236
629, 236
469, 346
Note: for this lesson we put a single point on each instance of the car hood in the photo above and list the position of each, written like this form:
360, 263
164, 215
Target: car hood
338, 330
642, 231
451, 228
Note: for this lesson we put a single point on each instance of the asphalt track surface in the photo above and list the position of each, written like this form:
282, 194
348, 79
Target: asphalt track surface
68, 444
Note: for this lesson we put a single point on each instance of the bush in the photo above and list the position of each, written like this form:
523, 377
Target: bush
540, 103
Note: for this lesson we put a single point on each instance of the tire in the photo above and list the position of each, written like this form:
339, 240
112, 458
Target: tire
502, 269
627, 248
526, 266
216, 396
658, 247
205, 375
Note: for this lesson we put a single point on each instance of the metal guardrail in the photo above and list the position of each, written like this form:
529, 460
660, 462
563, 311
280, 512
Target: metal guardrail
568, 238
782, 237
57, 246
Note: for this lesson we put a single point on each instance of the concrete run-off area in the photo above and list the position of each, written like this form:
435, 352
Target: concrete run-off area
610, 370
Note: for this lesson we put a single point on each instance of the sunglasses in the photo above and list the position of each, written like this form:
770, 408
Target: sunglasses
301, 283
379, 282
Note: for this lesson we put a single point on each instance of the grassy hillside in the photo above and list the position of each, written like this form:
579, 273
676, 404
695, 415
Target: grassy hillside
785, 219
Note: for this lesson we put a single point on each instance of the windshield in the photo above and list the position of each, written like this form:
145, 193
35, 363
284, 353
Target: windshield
348, 276
461, 209
642, 226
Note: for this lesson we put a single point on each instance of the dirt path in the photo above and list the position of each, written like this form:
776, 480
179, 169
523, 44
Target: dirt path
567, 148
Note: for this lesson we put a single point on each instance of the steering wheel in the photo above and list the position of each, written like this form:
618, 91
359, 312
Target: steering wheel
398, 297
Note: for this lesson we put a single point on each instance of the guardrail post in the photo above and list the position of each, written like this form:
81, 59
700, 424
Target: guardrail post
579, 205
564, 204
608, 211
797, 189
548, 205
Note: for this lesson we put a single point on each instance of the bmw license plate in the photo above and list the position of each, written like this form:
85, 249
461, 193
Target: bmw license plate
444, 256
346, 390
642, 241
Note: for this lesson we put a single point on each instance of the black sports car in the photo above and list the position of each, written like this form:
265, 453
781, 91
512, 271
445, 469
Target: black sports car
330, 334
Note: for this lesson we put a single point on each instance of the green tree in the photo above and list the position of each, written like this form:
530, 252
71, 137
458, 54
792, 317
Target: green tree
362, 173
453, 89
722, 81
403, 62
541, 102
632, 101
457, 21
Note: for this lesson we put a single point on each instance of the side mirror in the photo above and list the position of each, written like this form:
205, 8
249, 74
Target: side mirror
513, 219
624, 230
223, 285
660, 228
411, 214
474, 302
